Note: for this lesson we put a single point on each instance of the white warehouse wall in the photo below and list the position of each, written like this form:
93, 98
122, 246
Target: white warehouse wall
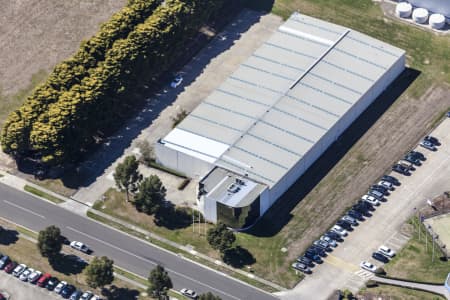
319, 148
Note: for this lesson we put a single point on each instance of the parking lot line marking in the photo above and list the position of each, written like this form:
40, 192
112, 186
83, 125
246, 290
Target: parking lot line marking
340, 263
23, 208
151, 262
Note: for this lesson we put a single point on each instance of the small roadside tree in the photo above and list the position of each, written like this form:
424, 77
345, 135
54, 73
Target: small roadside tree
220, 238
160, 282
209, 296
150, 196
127, 176
50, 242
100, 272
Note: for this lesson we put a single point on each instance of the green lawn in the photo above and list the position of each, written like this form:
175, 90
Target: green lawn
397, 293
414, 261
42, 194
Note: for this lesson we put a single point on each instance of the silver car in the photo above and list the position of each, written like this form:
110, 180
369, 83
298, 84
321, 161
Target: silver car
329, 240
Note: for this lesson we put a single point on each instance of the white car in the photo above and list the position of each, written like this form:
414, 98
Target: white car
19, 270
87, 296
367, 266
79, 246
33, 277
370, 199
329, 240
25, 274
189, 293
386, 184
386, 251
176, 81
59, 287
339, 230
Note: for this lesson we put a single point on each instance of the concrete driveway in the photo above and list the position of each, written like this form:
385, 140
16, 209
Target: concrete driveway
18, 290
341, 268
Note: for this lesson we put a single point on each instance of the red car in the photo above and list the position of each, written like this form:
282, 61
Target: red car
10, 267
43, 280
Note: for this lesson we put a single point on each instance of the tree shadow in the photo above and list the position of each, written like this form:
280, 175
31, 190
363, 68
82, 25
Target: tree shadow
280, 212
117, 293
8, 236
261, 5
173, 217
68, 264
238, 257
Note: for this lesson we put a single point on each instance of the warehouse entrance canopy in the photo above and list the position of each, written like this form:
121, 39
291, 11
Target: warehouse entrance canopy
283, 107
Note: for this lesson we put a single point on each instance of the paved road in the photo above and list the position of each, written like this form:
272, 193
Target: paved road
341, 269
127, 252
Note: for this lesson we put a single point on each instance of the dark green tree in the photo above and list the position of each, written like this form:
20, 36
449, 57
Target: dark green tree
209, 296
127, 176
50, 242
220, 237
150, 196
100, 272
160, 282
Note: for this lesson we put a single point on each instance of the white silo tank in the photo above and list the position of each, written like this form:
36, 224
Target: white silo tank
420, 15
403, 10
437, 21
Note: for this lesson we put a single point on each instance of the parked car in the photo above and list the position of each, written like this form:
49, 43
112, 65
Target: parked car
333, 235
52, 283
390, 179
417, 154
67, 291
448, 114
18, 270
367, 266
370, 199
409, 166
42, 282
96, 297
25, 274
322, 244
400, 169
339, 230
355, 214
313, 256
386, 251
301, 267
319, 251
350, 220
366, 205
412, 159
4, 261
189, 293
376, 194
87, 295
76, 295
347, 226
60, 286
380, 257
176, 81
428, 145
80, 247
386, 184
362, 209
34, 277
329, 240
305, 260
10, 267
379, 188
432, 140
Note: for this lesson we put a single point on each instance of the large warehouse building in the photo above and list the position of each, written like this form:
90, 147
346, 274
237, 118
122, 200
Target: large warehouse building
262, 128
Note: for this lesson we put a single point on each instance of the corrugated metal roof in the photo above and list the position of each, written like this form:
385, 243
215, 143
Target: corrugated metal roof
287, 95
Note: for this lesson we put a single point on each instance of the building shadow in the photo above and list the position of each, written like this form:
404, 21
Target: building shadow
8, 236
153, 98
280, 213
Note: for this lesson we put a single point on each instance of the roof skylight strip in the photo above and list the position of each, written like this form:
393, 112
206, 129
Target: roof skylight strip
267, 72
325, 93
229, 110
290, 50
277, 62
261, 157
312, 105
243, 169
335, 83
242, 98
257, 85
293, 18
360, 58
287, 131
372, 46
273, 144
215, 123
298, 118
348, 70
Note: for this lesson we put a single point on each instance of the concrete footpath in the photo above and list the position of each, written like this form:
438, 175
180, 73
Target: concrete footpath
439, 289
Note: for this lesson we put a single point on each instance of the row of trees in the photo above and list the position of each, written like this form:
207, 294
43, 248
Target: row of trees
18, 126
65, 120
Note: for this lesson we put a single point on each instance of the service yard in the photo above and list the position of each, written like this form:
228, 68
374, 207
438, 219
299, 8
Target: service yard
341, 269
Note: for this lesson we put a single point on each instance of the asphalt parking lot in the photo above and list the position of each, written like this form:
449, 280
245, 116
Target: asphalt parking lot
341, 269
18, 290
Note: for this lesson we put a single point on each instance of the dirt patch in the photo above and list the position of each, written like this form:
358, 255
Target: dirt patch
37, 34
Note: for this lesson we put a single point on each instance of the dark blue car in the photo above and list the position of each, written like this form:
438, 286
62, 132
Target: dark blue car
67, 291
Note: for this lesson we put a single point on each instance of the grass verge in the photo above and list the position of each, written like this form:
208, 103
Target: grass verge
185, 254
384, 291
42, 194
414, 261
27, 232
